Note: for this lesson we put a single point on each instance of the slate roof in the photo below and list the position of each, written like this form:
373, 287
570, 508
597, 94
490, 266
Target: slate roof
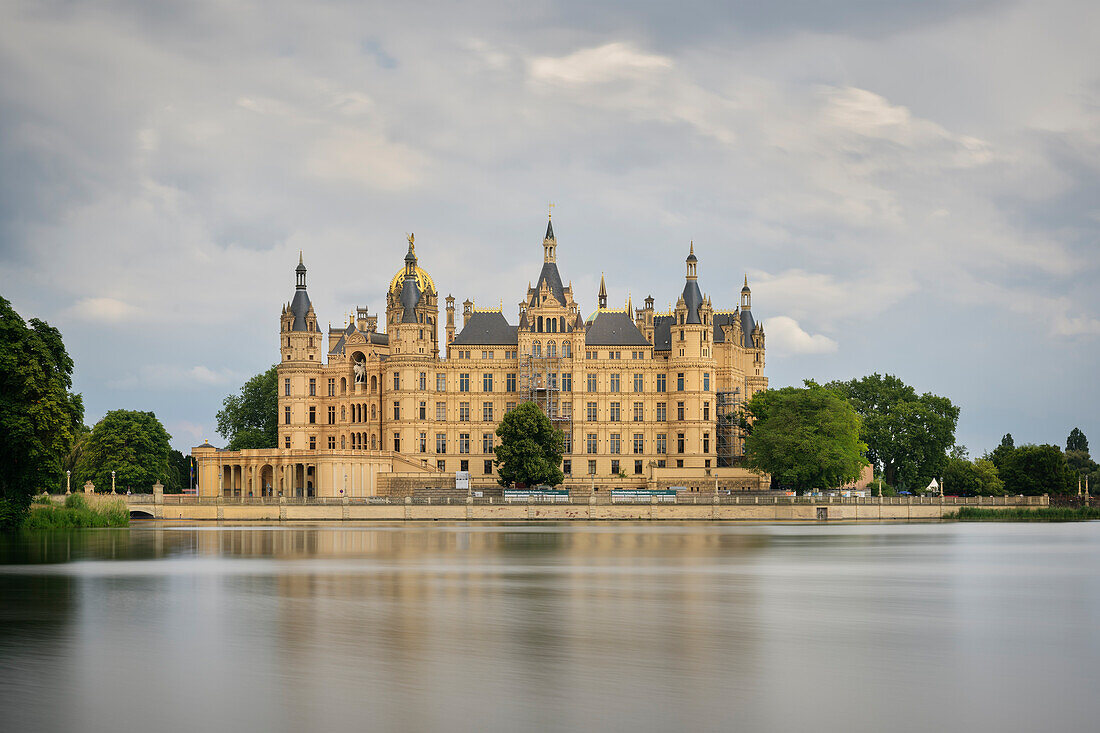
550, 275
613, 328
410, 296
549, 230
299, 307
378, 339
487, 329
692, 299
747, 326
662, 333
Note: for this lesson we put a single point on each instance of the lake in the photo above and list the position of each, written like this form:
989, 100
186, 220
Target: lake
562, 627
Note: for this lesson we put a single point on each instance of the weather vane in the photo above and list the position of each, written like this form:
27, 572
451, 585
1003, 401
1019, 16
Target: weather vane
550, 210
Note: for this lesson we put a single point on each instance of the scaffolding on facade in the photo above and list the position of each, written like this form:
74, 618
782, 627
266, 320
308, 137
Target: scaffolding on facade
727, 413
540, 381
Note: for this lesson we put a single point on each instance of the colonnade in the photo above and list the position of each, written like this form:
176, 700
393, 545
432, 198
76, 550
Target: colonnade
280, 479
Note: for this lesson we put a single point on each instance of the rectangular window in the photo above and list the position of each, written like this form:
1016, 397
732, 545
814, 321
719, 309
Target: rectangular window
615, 466
396, 410
397, 442
637, 467
706, 381
312, 415
312, 387
679, 410
486, 442
332, 387
463, 442
614, 412
679, 442
679, 463
332, 442
464, 382
423, 381
662, 412
441, 411
464, 412
423, 442
568, 443
637, 382
396, 381
639, 412
591, 412
639, 443
661, 445
286, 442
706, 442
591, 443
286, 387
661, 379
615, 443
510, 383
567, 410
441, 443
591, 382
487, 411
440, 382
706, 411
441, 465
488, 469
661, 463
509, 406
567, 467
313, 442
591, 468
615, 382
680, 382
464, 465
567, 382
423, 410
486, 382
332, 415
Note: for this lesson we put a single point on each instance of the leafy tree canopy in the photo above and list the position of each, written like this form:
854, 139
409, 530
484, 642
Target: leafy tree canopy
1077, 441
979, 477
132, 444
530, 448
179, 472
907, 434
806, 438
39, 416
1000, 454
250, 418
1038, 469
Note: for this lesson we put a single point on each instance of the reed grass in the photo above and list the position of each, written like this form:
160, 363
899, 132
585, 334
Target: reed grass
1021, 514
78, 512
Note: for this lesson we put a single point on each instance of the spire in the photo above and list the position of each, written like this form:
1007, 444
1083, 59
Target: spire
746, 288
549, 244
603, 292
746, 295
300, 273
691, 261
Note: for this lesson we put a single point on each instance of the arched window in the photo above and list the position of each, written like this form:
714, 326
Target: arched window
536, 348
343, 385
372, 411
343, 442
551, 349
372, 439
373, 384
539, 325
566, 349
561, 324
343, 413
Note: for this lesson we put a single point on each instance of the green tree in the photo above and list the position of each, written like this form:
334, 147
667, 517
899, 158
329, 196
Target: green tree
1000, 455
1038, 469
979, 477
907, 435
39, 416
806, 438
530, 448
179, 472
250, 418
134, 445
1077, 441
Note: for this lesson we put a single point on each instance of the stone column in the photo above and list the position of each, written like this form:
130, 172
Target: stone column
158, 493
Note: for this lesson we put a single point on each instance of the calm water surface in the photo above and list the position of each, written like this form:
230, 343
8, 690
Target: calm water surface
662, 627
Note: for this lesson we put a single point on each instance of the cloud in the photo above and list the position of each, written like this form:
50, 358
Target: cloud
173, 377
599, 65
104, 310
785, 336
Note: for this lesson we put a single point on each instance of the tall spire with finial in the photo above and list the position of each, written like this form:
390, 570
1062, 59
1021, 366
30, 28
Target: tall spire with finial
549, 244
603, 292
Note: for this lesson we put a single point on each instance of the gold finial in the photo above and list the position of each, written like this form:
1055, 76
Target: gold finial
691, 248
550, 210
746, 279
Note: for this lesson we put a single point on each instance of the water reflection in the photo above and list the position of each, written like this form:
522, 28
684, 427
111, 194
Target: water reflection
557, 627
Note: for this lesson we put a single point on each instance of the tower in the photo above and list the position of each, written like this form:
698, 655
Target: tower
300, 338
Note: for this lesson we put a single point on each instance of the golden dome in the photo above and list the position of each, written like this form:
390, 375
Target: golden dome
423, 281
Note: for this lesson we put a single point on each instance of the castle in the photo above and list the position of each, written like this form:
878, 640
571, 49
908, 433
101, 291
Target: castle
644, 398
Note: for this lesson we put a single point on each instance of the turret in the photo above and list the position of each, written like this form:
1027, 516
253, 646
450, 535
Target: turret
450, 323
549, 244
301, 339
746, 295
467, 311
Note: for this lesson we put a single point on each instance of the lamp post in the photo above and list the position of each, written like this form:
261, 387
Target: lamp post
67, 479
113, 482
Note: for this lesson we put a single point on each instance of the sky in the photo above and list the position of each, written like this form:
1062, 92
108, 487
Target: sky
911, 187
